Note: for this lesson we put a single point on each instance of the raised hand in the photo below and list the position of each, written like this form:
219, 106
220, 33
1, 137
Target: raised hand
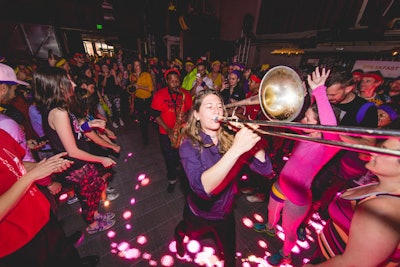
317, 79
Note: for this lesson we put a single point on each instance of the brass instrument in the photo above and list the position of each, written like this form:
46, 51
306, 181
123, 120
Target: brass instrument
281, 97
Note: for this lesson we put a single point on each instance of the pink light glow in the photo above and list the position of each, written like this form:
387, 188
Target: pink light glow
193, 246
247, 222
296, 249
128, 226
130, 154
132, 253
203, 258
114, 251
123, 246
114, 245
172, 246
244, 177
133, 201
141, 177
152, 263
145, 182
262, 244
63, 197
167, 260
136, 187
125, 160
141, 240
303, 244
246, 264
146, 256
111, 234
258, 218
127, 215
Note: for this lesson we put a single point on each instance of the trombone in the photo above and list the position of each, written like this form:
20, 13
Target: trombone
281, 97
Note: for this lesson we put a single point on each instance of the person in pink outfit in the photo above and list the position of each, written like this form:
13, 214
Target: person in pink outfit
291, 194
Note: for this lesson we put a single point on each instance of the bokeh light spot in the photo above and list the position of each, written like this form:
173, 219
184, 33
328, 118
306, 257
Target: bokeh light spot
127, 215
247, 222
167, 260
193, 246
141, 240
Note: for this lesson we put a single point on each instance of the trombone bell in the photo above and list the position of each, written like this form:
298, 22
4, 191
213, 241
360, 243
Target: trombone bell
281, 94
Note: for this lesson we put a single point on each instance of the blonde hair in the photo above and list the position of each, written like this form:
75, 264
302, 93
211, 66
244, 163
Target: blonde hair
193, 127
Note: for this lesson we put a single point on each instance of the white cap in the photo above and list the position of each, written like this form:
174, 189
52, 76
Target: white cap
7, 75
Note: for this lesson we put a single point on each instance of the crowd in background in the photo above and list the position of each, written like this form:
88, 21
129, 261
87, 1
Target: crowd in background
95, 97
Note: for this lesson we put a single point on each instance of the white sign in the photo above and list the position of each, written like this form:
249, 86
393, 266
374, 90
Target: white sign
389, 69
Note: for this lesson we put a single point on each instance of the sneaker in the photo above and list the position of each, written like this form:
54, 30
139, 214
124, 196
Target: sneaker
278, 259
256, 198
112, 196
301, 233
110, 189
73, 199
101, 226
262, 228
115, 125
121, 122
104, 216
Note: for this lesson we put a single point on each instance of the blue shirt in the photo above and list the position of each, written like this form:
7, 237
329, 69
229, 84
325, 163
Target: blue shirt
195, 161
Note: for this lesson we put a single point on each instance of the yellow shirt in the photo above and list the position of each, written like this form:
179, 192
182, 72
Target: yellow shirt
144, 80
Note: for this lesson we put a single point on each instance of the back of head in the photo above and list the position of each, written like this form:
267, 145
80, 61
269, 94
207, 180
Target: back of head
51, 86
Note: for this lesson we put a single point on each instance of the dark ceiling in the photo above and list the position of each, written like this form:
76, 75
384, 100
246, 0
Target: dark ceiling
333, 19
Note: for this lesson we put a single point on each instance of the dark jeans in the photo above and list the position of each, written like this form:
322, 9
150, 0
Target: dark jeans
142, 108
171, 157
223, 231
48, 248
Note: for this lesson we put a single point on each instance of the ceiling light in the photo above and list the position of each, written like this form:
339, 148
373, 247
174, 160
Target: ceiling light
289, 51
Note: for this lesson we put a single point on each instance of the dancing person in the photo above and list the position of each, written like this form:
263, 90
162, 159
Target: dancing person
40, 241
167, 103
363, 229
212, 157
291, 194
54, 93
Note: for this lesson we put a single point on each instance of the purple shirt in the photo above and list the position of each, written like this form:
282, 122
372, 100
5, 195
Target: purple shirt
195, 161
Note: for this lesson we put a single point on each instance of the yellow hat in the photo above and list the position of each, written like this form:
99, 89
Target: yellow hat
61, 62
264, 67
216, 62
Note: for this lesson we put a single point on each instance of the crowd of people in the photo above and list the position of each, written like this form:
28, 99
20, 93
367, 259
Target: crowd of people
57, 120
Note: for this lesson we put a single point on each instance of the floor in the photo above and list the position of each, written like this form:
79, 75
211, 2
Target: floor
147, 215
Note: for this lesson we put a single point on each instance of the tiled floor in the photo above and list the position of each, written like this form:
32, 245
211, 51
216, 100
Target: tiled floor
155, 213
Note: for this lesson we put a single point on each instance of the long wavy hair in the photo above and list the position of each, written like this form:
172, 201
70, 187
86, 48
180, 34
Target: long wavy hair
193, 126
53, 89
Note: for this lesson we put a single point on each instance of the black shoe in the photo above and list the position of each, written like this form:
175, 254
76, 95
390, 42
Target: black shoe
90, 261
180, 248
171, 187
76, 238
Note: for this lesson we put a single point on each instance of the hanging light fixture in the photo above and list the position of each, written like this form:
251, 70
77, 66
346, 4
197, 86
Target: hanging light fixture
288, 51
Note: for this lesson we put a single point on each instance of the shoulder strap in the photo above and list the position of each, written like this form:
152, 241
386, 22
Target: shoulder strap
363, 110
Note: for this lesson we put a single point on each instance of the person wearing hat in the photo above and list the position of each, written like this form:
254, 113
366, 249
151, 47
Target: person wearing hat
41, 242
386, 114
215, 75
190, 75
166, 104
357, 76
370, 83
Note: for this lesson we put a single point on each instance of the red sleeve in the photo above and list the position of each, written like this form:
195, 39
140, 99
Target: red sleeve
157, 101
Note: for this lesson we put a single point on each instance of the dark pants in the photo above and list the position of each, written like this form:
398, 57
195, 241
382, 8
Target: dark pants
142, 108
49, 248
223, 231
171, 157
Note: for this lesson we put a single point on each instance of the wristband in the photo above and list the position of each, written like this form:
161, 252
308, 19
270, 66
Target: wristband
85, 127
